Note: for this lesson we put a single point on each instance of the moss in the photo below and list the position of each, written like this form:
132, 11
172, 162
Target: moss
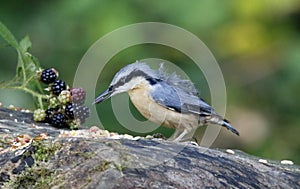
87, 155
102, 166
123, 165
40, 175
45, 150
48, 171
119, 167
34, 177
5, 141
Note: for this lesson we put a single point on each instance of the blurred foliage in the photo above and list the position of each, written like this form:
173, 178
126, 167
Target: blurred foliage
255, 42
26, 78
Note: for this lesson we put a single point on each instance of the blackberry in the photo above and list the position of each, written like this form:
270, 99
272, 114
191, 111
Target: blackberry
81, 113
58, 120
58, 86
48, 75
78, 95
69, 110
49, 113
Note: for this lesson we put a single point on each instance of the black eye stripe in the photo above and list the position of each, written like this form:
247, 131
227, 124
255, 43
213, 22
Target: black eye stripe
153, 81
133, 74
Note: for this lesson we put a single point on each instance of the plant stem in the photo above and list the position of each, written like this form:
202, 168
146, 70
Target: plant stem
22, 60
39, 96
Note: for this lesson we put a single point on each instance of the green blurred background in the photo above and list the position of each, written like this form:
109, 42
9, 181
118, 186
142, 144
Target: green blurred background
256, 43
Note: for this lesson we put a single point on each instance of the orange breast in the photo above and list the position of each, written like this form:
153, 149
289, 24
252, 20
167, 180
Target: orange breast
159, 114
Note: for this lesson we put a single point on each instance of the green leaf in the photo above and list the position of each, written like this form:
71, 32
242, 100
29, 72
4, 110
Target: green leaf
25, 44
25, 64
8, 36
33, 60
26, 78
11, 40
20, 66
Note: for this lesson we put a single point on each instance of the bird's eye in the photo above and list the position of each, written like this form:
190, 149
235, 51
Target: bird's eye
110, 88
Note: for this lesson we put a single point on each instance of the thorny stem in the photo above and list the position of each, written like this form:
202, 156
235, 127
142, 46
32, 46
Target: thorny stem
40, 102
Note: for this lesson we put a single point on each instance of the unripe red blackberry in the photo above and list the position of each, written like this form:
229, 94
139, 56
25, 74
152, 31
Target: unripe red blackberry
48, 76
58, 120
78, 95
58, 86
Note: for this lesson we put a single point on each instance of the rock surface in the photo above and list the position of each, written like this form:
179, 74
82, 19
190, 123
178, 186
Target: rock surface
92, 158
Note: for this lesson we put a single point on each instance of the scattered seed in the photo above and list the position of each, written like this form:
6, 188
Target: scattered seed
94, 129
105, 133
263, 161
229, 151
149, 137
136, 138
12, 107
41, 136
287, 162
25, 111
73, 133
126, 136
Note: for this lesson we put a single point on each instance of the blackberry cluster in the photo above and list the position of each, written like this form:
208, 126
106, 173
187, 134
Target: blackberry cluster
65, 105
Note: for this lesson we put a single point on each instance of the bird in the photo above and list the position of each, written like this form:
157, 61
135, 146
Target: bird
165, 99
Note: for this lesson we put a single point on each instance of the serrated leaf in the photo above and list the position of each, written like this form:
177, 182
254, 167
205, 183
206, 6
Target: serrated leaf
26, 77
11, 40
25, 44
8, 36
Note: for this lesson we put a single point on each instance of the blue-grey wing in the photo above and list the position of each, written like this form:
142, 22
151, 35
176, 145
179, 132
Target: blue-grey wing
166, 96
179, 100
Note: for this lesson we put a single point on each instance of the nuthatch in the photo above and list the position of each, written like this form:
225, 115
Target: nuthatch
163, 99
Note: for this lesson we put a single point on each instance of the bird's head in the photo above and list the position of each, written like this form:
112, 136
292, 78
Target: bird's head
127, 79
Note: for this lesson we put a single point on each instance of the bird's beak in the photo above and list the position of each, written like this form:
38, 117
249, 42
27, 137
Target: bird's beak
105, 95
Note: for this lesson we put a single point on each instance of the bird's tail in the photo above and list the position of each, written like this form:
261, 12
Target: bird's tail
216, 119
230, 127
